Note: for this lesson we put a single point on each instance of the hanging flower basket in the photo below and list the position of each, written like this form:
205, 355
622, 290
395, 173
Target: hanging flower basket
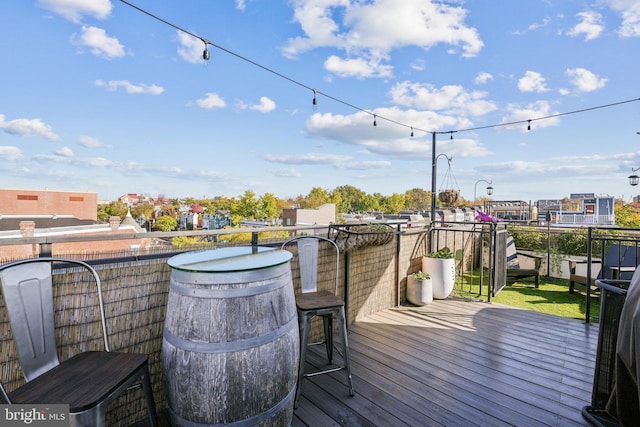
350, 238
449, 196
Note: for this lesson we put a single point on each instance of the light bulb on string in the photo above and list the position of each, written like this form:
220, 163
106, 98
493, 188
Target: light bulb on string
411, 131
375, 123
529, 125
205, 53
315, 102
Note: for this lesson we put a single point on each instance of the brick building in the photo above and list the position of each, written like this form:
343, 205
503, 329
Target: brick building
40, 213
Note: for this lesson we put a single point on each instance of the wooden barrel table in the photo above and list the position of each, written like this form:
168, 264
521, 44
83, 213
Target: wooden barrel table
230, 348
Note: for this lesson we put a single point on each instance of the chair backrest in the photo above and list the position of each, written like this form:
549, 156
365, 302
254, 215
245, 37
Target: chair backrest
512, 254
308, 254
28, 295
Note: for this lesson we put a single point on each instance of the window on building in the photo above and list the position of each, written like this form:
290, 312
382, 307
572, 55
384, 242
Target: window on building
27, 197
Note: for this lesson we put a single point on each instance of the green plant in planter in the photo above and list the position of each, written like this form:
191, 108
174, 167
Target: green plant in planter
444, 253
420, 275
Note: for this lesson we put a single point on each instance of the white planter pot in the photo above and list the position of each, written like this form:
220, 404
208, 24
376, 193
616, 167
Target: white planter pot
419, 291
443, 275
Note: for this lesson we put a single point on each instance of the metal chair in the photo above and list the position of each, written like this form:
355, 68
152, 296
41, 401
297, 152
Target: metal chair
88, 381
311, 303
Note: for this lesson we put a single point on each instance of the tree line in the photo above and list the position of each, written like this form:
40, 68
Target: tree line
347, 199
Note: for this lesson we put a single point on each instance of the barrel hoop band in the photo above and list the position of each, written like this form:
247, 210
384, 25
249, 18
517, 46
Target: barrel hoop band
230, 346
256, 419
209, 293
218, 279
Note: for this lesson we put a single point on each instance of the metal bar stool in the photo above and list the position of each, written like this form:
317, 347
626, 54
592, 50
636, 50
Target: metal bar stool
311, 303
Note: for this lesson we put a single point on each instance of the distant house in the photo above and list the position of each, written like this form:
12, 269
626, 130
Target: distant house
325, 214
115, 226
41, 213
510, 210
593, 210
129, 199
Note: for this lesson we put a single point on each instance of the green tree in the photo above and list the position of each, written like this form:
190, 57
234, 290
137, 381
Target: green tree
268, 207
317, 197
627, 216
165, 223
367, 203
247, 207
351, 198
116, 208
417, 199
142, 212
393, 204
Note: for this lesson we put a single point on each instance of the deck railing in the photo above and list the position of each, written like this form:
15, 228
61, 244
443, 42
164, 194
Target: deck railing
136, 287
585, 220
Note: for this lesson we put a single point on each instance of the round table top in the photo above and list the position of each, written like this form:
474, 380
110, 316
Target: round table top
229, 259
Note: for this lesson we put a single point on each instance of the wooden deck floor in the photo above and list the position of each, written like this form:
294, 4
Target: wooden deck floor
458, 363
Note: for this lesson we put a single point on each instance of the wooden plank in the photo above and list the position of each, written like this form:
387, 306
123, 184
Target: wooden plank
456, 362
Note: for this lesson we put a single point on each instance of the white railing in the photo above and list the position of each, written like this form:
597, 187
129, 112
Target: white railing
577, 219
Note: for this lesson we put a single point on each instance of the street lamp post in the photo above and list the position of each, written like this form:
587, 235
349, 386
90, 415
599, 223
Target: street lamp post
634, 179
489, 188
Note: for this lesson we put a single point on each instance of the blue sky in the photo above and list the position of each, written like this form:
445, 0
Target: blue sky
98, 96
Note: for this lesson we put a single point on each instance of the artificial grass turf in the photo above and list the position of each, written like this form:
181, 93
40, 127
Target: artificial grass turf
552, 297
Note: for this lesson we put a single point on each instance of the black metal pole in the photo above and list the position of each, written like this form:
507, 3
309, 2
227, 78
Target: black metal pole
346, 289
548, 218
433, 177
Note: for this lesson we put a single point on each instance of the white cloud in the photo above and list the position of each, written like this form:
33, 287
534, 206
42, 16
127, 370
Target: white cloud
532, 82
386, 138
584, 80
190, 48
65, 152
630, 11
307, 158
483, 77
369, 31
10, 153
418, 65
129, 87
91, 142
335, 160
286, 173
531, 112
65, 156
590, 25
99, 43
546, 21
74, 10
266, 105
211, 101
28, 127
357, 67
451, 98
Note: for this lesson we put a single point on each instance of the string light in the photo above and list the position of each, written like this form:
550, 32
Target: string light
205, 55
315, 102
411, 131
